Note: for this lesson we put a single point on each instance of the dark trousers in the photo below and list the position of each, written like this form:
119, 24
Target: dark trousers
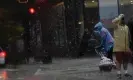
110, 54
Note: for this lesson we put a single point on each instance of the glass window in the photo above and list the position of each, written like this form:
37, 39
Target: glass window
91, 12
125, 7
58, 28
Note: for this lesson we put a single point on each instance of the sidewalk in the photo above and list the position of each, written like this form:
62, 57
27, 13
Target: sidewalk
76, 69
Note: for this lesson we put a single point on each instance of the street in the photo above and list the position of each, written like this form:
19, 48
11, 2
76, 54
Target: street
60, 69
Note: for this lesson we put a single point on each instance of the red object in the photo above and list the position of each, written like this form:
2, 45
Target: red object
3, 54
32, 10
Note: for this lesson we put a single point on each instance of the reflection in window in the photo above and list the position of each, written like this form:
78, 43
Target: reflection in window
91, 3
91, 13
56, 38
58, 33
59, 37
62, 41
125, 7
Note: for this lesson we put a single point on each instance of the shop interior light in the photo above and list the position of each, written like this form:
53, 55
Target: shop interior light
79, 22
131, 1
22, 1
121, 3
93, 1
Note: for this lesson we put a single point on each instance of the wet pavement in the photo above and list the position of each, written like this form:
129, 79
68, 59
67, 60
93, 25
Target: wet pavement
60, 69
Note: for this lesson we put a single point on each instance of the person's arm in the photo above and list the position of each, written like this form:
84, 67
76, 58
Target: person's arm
102, 40
117, 20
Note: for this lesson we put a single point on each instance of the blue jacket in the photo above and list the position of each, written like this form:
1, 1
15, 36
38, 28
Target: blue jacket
107, 40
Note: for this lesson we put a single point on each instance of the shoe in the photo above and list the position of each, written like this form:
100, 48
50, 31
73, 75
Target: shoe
119, 76
127, 75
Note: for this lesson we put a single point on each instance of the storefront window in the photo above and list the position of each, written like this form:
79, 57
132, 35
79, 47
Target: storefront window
125, 7
58, 29
91, 12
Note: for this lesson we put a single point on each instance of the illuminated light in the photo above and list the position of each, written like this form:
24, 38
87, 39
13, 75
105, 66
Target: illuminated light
121, 3
22, 1
1, 76
93, 1
79, 22
131, 1
4, 75
32, 10
3, 54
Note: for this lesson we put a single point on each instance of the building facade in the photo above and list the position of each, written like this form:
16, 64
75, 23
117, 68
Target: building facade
63, 23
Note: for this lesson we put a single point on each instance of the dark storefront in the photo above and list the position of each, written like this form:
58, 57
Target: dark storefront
60, 28
63, 24
56, 27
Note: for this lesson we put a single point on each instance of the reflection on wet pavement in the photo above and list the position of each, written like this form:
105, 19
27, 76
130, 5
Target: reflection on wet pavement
14, 74
68, 70
3, 75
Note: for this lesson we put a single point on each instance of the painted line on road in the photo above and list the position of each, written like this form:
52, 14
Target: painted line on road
38, 72
69, 70
11, 69
20, 78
